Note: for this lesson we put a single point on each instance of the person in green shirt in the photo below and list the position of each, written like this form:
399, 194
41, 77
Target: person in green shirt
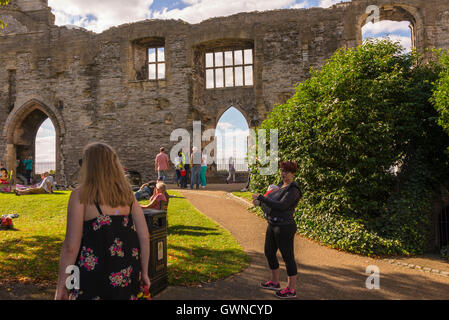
28, 168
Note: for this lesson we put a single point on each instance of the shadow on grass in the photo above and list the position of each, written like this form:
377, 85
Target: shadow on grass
33, 258
59, 193
6, 230
196, 264
316, 282
175, 197
343, 283
192, 231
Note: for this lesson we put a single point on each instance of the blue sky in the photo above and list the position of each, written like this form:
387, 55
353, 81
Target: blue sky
100, 15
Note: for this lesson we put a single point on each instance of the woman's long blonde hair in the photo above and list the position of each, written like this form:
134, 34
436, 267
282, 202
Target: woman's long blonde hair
102, 178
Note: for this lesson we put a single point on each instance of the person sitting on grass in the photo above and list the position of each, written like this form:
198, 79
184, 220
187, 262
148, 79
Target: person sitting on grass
3, 176
44, 187
160, 195
4, 180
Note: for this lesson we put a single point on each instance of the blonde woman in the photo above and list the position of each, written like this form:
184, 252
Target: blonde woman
107, 236
160, 194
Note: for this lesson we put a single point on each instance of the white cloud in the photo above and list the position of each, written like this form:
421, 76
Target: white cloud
392, 29
222, 125
45, 149
386, 26
204, 9
299, 5
329, 3
406, 42
99, 15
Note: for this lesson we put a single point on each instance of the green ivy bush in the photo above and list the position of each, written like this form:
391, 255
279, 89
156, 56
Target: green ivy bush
365, 111
441, 92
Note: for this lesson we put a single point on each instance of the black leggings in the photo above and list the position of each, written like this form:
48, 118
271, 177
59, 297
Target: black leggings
282, 238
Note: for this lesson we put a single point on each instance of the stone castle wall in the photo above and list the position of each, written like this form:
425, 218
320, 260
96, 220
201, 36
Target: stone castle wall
91, 87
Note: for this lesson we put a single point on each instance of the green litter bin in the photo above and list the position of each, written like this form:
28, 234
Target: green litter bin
157, 266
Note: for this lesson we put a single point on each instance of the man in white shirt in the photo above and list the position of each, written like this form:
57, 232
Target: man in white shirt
46, 186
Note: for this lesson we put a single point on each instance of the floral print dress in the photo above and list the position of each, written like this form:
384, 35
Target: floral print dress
109, 259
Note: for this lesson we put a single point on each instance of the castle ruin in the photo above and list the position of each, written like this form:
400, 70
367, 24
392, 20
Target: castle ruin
132, 85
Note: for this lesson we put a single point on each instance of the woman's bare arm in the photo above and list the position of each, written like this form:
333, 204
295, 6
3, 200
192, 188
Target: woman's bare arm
149, 205
72, 242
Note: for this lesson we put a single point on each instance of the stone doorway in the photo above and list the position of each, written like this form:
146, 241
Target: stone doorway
231, 136
395, 13
21, 129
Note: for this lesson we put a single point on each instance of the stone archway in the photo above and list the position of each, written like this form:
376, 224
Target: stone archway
231, 125
397, 12
20, 131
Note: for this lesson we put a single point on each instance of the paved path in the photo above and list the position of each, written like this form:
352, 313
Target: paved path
323, 273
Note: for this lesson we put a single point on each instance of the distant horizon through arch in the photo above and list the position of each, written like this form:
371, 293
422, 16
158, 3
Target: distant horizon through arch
231, 136
45, 147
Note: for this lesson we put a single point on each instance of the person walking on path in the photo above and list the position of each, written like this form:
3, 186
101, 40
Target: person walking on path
107, 236
161, 164
203, 170
279, 208
231, 170
28, 168
195, 160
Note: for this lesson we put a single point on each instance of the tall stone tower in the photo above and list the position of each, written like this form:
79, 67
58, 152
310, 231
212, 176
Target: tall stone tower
37, 10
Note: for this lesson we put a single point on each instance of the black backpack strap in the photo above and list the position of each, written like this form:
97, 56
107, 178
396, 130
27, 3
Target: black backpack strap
131, 208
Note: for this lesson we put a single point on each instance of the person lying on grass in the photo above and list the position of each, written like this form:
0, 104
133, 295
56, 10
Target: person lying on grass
44, 187
160, 194
146, 191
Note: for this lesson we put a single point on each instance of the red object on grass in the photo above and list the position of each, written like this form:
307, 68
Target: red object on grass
6, 222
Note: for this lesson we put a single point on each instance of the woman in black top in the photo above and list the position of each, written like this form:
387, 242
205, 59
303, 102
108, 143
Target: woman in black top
279, 206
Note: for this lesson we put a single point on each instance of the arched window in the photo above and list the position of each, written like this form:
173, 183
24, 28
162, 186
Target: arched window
45, 148
231, 136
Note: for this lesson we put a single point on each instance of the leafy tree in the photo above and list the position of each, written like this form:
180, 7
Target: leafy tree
441, 92
3, 3
364, 113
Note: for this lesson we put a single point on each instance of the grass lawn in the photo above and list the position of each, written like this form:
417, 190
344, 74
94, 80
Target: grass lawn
245, 195
198, 249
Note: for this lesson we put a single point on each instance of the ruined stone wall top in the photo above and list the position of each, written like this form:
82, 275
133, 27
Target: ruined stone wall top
31, 5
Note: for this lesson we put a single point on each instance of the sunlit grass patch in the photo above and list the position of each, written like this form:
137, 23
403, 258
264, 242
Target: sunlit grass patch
198, 250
